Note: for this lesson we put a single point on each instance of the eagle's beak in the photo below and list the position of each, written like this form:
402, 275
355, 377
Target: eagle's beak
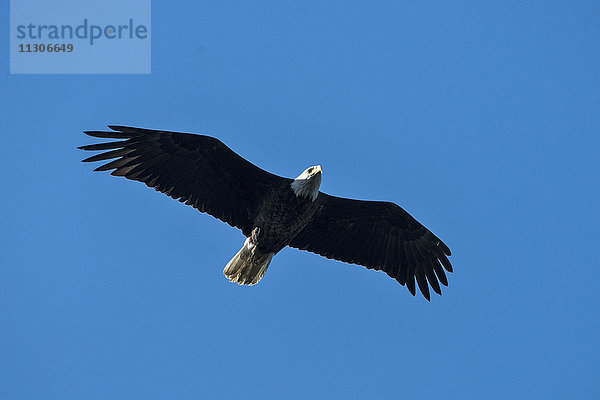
319, 169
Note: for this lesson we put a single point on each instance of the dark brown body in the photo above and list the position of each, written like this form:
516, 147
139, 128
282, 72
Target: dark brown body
280, 218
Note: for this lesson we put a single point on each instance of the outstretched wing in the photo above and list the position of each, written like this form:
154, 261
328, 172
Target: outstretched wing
378, 235
196, 170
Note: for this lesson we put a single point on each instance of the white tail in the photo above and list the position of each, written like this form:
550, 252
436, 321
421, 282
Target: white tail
248, 266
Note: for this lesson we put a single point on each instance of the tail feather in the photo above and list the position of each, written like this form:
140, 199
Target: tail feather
248, 266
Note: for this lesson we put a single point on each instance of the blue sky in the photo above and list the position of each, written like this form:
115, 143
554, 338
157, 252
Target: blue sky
479, 118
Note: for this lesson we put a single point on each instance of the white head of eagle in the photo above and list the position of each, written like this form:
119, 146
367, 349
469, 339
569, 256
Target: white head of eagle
307, 183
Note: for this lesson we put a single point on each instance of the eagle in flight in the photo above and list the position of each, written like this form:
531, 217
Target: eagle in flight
274, 212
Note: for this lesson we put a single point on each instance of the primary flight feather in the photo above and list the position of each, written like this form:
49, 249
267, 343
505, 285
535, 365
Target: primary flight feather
274, 212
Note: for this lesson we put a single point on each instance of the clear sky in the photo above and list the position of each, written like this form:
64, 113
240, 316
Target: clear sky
479, 118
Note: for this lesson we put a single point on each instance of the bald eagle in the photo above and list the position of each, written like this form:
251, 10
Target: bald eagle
274, 212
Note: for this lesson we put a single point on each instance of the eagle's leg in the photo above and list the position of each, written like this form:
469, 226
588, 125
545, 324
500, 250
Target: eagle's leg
249, 265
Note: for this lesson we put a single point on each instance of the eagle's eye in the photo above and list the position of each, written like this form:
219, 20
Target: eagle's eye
310, 170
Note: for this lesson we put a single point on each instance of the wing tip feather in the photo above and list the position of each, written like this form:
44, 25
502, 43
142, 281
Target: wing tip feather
119, 128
